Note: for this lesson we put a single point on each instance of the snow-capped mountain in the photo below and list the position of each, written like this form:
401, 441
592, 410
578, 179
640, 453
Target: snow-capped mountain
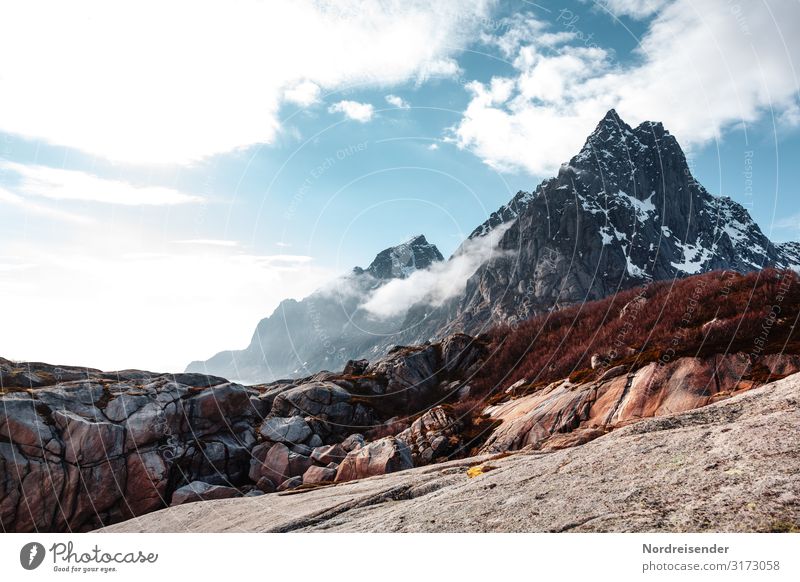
400, 261
625, 210
327, 328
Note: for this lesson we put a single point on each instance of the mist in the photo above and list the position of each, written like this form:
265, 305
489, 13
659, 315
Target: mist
439, 282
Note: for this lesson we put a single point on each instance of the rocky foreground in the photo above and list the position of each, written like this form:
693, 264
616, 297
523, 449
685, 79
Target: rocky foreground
728, 467
81, 449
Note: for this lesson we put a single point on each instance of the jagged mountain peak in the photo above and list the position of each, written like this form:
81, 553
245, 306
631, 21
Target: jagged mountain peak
399, 261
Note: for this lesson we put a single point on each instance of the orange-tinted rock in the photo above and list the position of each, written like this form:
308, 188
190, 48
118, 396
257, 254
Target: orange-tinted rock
386, 455
654, 390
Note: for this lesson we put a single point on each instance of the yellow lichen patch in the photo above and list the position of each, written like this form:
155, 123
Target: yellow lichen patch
479, 470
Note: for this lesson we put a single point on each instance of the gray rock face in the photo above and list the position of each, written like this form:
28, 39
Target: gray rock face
102, 447
285, 430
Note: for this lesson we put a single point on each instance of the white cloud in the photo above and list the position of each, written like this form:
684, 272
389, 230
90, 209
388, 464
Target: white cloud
28, 206
397, 101
433, 147
438, 283
136, 303
699, 69
60, 184
361, 112
304, 94
155, 82
633, 8
445, 68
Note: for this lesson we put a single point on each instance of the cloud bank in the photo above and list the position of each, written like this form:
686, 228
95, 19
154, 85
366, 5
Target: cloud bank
437, 284
174, 82
702, 67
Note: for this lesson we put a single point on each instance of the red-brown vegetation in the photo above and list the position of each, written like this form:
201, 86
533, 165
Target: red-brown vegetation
714, 313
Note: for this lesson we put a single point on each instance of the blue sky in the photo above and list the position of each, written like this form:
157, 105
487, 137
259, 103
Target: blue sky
158, 198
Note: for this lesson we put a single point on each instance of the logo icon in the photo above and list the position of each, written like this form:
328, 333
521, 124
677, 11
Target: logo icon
31, 555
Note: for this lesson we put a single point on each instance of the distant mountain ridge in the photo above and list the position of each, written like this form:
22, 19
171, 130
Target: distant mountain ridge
327, 328
624, 210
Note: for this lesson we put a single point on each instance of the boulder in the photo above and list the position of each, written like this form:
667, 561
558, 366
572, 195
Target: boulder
290, 430
434, 435
291, 483
353, 442
111, 444
386, 455
328, 454
355, 367
201, 491
459, 353
317, 474
281, 464
265, 485
412, 378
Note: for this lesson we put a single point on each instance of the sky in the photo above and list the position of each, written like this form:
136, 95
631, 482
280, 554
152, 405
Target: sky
169, 172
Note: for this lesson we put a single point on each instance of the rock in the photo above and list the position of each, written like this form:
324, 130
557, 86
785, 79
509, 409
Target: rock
353, 442
200, 491
516, 386
291, 483
281, 464
617, 398
355, 367
290, 430
110, 443
314, 441
265, 485
459, 352
258, 454
328, 454
311, 399
728, 467
316, 475
613, 373
412, 376
433, 435
386, 455
463, 393
254, 493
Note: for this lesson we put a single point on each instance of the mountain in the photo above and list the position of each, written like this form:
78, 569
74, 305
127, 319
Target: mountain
624, 211
327, 328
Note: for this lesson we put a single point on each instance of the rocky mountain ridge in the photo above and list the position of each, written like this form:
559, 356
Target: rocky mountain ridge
623, 211
327, 328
